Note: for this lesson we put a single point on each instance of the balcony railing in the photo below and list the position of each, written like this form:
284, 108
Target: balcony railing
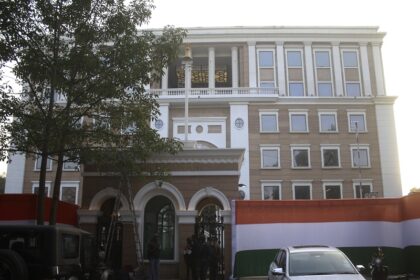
216, 92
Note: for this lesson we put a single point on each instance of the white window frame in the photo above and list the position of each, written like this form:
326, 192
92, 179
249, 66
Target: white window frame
330, 147
106, 125
354, 147
269, 112
295, 67
272, 50
320, 114
270, 147
363, 183
267, 183
317, 82
349, 114
332, 183
345, 67
306, 147
49, 163
77, 169
298, 112
302, 183
47, 187
75, 184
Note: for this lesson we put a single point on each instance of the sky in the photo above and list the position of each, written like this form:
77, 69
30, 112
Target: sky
400, 50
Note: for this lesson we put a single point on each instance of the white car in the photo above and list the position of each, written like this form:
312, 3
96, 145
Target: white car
313, 262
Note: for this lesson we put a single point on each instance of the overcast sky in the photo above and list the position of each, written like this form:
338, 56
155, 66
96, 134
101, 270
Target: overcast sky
400, 51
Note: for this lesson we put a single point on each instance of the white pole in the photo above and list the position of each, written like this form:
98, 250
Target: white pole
187, 92
358, 159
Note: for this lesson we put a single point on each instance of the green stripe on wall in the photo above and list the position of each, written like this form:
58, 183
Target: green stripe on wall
412, 259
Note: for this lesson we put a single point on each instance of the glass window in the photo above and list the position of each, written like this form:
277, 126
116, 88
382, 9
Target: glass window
267, 84
366, 189
270, 158
69, 194
353, 89
359, 120
266, 59
294, 59
360, 157
330, 157
350, 59
35, 189
300, 157
70, 246
302, 191
322, 59
38, 163
325, 89
298, 123
296, 89
271, 192
70, 165
332, 191
269, 122
328, 123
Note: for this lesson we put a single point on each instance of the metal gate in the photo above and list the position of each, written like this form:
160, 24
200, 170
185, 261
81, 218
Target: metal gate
209, 228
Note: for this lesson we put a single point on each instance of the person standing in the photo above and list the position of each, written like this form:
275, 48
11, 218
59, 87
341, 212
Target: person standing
153, 254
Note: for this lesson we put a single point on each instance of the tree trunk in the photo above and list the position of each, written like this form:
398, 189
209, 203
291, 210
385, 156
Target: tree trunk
56, 189
41, 189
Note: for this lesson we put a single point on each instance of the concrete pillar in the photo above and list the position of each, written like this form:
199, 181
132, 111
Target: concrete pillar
337, 69
379, 71
309, 67
235, 69
367, 87
281, 74
212, 68
252, 61
165, 78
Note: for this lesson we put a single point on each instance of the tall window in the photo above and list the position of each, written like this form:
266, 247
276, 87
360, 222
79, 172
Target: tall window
298, 122
35, 188
362, 190
328, 122
268, 122
271, 191
323, 73
38, 164
360, 156
159, 217
330, 156
301, 156
266, 68
302, 191
270, 157
70, 165
69, 192
351, 70
332, 191
357, 121
295, 73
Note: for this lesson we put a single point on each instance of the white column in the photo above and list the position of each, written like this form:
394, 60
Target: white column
235, 72
309, 67
379, 71
15, 174
365, 69
188, 66
252, 67
337, 69
281, 74
165, 78
212, 67
164, 116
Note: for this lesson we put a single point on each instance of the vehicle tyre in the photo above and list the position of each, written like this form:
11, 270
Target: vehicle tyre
12, 266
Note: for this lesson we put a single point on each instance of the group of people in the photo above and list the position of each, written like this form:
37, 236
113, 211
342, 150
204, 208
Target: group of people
202, 258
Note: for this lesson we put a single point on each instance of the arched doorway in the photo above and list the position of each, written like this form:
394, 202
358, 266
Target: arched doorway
159, 218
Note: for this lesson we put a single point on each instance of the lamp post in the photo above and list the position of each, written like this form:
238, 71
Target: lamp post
187, 62
358, 159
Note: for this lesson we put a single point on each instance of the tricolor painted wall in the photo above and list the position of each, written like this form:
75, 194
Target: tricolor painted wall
357, 226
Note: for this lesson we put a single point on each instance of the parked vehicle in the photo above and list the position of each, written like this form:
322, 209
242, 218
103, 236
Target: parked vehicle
46, 252
313, 262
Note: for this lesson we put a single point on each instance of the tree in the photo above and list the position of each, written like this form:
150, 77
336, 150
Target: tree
82, 66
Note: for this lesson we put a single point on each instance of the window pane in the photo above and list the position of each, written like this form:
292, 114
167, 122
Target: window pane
70, 246
68, 194
350, 59
332, 192
296, 89
365, 190
325, 89
69, 165
322, 59
353, 89
363, 155
270, 158
330, 157
266, 59
38, 163
294, 59
300, 158
299, 123
328, 123
267, 84
360, 120
271, 192
302, 192
269, 123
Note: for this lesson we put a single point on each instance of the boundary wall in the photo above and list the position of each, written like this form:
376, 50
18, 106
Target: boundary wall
357, 226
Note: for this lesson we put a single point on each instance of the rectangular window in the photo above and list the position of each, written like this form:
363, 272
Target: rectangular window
38, 164
301, 157
360, 156
69, 193
323, 73
270, 157
330, 156
69, 246
298, 122
214, 129
332, 191
70, 165
271, 191
366, 189
302, 191
295, 73
268, 122
266, 68
181, 129
35, 188
328, 122
351, 70
357, 122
